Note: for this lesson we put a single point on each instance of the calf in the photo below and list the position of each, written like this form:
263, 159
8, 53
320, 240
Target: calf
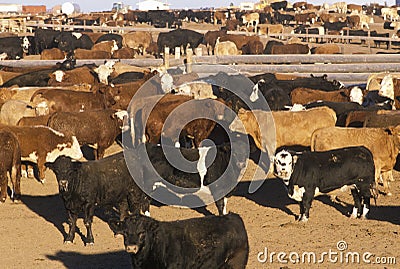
208, 242
305, 95
312, 173
10, 162
86, 185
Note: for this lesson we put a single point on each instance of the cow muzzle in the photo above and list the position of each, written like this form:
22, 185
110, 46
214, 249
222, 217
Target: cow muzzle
63, 185
134, 249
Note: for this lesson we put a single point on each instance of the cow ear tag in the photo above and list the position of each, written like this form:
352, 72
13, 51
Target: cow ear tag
295, 157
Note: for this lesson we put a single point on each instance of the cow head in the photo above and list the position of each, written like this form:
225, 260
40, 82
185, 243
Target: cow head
283, 165
62, 168
70, 148
387, 87
137, 232
58, 75
25, 44
103, 72
356, 95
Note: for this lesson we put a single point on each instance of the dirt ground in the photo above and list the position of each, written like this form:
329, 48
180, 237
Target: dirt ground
32, 231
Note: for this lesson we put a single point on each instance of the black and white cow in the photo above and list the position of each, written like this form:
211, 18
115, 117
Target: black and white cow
312, 173
14, 47
207, 242
203, 179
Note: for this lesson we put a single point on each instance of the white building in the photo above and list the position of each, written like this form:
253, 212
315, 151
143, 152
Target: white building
10, 8
246, 6
152, 5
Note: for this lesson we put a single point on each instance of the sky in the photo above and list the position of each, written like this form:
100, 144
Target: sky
105, 5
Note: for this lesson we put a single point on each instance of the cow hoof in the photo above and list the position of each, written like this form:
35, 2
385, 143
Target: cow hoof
24, 174
68, 242
352, 216
389, 194
16, 201
90, 244
43, 180
30, 174
2, 201
363, 217
118, 235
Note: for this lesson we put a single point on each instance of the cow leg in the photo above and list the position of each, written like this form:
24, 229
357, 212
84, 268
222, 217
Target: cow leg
366, 196
221, 206
41, 168
99, 153
72, 217
16, 183
306, 204
89, 212
387, 176
357, 203
3, 187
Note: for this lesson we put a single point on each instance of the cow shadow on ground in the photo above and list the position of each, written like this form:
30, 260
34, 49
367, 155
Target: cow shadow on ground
377, 212
76, 260
272, 193
52, 209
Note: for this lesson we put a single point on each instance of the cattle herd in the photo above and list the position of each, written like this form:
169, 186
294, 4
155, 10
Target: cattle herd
316, 134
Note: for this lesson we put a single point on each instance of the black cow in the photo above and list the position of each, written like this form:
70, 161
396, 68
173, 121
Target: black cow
87, 185
127, 77
306, 29
275, 96
335, 26
195, 184
318, 83
178, 38
279, 5
110, 37
161, 18
45, 39
284, 19
208, 242
38, 78
14, 47
311, 173
69, 41
270, 44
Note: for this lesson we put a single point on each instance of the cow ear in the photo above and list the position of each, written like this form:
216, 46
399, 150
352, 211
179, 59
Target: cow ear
295, 157
49, 165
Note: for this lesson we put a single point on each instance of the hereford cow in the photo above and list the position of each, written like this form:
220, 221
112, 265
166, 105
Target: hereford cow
311, 173
100, 127
10, 165
383, 144
304, 95
70, 101
78, 75
52, 54
41, 144
109, 46
87, 185
154, 244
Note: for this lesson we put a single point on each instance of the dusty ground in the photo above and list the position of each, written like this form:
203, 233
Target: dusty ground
32, 231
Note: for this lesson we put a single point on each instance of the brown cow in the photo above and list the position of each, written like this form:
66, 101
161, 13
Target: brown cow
272, 130
219, 16
211, 37
232, 24
124, 53
326, 49
10, 162
42, 144
75, 76
239, 40
179, 123
138, 41
253, 47
34, 121
304, 18
52, 54
290, 49
384, 145
101, 127
304, 95
109, 46
71, 101
382, 119
91, 54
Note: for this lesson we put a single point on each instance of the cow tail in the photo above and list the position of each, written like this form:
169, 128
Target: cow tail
313, 137
374, 191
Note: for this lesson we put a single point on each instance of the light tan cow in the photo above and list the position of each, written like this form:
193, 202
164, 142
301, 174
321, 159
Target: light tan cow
225, 48
251, 19
139, 41
272, 130
383, 143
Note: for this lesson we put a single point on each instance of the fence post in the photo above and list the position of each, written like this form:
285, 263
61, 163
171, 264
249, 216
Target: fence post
166, 57
177, 52
189, 60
